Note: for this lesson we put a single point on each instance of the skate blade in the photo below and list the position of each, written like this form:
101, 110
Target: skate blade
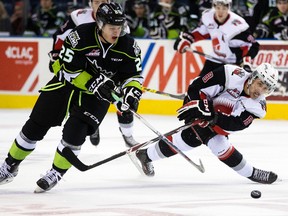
39, 190
136, 162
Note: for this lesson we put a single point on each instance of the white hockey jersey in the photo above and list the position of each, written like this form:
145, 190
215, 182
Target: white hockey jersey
222, 35
77, 17
237, 110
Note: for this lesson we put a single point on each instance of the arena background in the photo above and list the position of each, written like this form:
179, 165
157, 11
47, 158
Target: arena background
24, 70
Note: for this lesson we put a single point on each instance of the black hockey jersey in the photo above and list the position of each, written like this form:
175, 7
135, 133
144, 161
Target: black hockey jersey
83, 56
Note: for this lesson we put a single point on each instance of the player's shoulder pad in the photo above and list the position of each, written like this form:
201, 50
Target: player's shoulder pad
236, 71
81, 34
238, 21
206, 11
129, 45
80, 12
207, 16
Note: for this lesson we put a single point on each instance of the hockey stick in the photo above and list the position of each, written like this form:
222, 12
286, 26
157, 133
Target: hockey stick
206, 55
181, 96
78, 164
200, 167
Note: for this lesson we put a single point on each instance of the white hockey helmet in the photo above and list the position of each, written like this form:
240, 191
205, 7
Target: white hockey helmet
267, 74
222, 2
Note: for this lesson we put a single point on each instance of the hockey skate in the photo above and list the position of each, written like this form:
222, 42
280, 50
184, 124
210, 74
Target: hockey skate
48, 181
7, 173
146, 163
129, 140
95, 138
263, 177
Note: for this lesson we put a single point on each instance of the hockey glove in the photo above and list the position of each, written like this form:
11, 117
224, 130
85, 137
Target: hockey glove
102, 87
53, 55
284, 34
200, 109
247, 64
130, 99
183, 42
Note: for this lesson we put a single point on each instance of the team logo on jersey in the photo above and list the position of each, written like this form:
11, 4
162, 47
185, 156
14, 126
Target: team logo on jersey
234, 92
74, 37
94, 53
98, 68
137, 49
239, 72
236, 22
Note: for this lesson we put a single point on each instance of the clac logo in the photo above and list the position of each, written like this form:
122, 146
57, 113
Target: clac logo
14, 52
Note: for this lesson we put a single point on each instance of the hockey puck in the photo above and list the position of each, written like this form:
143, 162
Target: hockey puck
255, 194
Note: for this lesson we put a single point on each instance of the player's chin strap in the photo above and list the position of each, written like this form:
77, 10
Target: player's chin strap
199, 166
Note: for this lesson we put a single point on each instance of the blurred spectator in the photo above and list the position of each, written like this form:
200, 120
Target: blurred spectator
71, 6
5, 26
170, 17
17, 19
274, 24
137, 19
46, 19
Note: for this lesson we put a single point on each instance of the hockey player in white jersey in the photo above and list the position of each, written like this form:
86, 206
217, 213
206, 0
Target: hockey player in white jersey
77, 18
230, 36
226, 100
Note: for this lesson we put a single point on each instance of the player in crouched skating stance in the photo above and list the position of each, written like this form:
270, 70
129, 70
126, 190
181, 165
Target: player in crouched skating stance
79, 17
227, 100
96, 59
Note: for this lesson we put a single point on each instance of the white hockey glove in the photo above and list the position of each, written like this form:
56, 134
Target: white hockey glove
130, 99
183, 42
247, 64
102, 87
202, 109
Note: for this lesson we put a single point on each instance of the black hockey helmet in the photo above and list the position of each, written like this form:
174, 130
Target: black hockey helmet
110, 13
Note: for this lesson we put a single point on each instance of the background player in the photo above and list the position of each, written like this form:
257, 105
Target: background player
231, 38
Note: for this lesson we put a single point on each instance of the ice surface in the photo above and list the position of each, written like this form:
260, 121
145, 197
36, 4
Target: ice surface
117, 189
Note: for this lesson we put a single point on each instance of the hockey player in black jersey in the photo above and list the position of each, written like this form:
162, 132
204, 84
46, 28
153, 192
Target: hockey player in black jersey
227, 100
96, 59
76, 18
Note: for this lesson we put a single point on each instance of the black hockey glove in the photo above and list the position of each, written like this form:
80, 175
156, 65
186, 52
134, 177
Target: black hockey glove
102, 87
284, 34
183, 42
247, 64
130, 99
201, 109
53, 55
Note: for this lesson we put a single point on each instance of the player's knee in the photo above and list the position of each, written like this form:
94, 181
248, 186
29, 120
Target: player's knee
220, 147
75, 131
34, 131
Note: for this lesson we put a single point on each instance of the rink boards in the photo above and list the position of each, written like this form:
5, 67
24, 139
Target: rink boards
24, 70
